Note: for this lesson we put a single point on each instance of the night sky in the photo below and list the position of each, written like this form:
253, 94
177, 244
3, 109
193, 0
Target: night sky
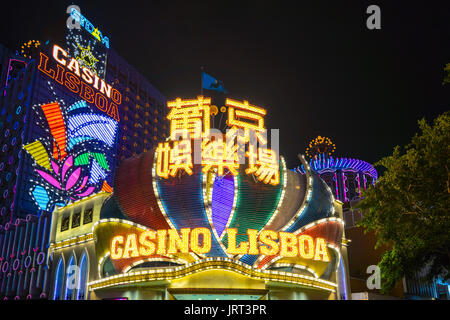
314, 65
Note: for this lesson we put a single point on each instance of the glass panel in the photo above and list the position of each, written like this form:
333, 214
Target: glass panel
65, 222
76, 219
59, 276
87, 218
83, 278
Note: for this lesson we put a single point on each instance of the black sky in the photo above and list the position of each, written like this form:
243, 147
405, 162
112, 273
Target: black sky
313, 64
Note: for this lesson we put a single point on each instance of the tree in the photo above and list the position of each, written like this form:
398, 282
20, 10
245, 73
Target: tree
447, 77
409, 207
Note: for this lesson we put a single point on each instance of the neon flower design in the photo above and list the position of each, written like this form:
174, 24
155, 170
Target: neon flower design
78, 165
67, 179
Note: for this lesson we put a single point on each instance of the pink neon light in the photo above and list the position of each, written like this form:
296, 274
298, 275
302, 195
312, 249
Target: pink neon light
73, 178
343, 182
87, 192
49, 178
55, 167
337, 189
359, 187
67, 164
83, 183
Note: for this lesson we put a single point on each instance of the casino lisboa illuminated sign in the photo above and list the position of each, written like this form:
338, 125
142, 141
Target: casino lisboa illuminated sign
204, 193
81, 80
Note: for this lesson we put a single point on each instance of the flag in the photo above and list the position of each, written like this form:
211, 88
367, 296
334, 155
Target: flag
211, 83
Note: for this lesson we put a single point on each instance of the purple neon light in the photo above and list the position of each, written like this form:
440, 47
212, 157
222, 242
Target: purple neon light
222, 202
359, 186
321, 164
337, 189
345, 188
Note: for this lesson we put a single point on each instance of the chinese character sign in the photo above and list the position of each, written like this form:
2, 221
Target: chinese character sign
245, 141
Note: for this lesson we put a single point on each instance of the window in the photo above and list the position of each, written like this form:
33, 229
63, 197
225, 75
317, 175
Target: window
83, 278
59, 276
65, 222
87, 218
71, 279
76, 219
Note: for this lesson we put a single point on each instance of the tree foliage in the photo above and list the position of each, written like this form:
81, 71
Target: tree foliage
409, 207
447, 76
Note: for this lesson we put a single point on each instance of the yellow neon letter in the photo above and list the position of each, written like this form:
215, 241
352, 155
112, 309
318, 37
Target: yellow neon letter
131, 245
195, 242
267, 237
162, 240
321, 250
147, 247
176, 242
243, 246
306, 246
288, 244
252, 241
115, 251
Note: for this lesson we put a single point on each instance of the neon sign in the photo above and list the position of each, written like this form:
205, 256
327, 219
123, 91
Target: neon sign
74, 13
198, 240
190, 119
82, 81
72, 161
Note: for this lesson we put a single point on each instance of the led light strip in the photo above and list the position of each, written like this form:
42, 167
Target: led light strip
309, 182
155, 191
297, 232
120, 221
280, 202
72, 241
297, 266
211, 264
324, 220
171, 259
283, 192
100, 263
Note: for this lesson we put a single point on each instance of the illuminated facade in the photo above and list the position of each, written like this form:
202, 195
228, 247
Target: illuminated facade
17, 75
206, 231
345, 176
75, 120
142, 117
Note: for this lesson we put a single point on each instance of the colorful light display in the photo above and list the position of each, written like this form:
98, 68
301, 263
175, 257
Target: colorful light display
87, 52
346, 177
71, 161
29, 48
174, 209
88, 26
320, 145
198, 240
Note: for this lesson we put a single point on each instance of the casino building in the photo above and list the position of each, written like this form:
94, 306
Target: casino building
83, 234
59, 144
177, 229
102, 200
